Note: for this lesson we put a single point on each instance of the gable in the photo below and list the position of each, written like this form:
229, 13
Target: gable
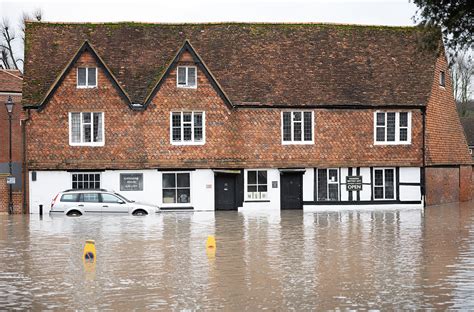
257, 64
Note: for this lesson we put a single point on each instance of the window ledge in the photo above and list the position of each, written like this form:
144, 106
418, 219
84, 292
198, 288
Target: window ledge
87, 144
257, 201
87, 87
391, 143
187, 143
297, 143
186, 87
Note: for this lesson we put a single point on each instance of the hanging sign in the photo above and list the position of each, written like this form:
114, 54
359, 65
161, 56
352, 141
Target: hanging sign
354, 183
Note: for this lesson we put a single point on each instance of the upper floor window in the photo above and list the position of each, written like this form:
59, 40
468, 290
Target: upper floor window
392, 128
297, 127
442, 79
87, 77
187, 128
187, 77
86, 128
257, 184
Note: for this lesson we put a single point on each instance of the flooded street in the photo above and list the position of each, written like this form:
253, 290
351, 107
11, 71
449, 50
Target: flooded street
292, 260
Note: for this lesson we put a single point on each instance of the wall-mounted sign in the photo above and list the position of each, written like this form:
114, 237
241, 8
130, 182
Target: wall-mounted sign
274, 184
131, 181
10, 180
354, 183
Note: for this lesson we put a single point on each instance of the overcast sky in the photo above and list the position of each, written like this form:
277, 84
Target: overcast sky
378, 12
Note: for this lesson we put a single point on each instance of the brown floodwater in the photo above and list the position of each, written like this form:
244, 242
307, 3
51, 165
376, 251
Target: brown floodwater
287, 261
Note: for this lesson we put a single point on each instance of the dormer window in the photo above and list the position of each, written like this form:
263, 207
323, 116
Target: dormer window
442, 79
87, 77
187, 77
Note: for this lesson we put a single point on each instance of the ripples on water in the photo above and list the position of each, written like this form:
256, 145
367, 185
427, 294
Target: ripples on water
292, 260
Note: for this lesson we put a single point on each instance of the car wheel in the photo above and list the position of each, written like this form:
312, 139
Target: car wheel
74, 213
140, 212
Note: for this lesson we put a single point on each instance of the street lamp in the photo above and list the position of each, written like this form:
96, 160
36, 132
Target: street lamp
9, 105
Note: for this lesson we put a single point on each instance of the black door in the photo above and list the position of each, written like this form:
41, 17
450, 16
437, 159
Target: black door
225, 191
292, 190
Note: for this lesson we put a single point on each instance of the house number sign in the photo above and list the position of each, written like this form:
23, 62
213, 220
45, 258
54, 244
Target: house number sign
131, 181
354, 183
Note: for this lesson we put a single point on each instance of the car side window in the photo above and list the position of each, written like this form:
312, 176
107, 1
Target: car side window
90, 197
69, 198
109, 198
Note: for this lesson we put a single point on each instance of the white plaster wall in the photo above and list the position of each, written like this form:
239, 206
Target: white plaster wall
202, 190
342, 179
47, 185
409, 192
308, 185
410, 174
366, 192
273, 200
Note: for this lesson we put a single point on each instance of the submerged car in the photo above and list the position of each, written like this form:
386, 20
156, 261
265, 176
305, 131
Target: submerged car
79, 202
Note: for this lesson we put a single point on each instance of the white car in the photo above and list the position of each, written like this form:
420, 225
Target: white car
79, 202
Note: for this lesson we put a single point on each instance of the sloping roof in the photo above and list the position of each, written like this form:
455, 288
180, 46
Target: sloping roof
11, 80
468, 125
258, 64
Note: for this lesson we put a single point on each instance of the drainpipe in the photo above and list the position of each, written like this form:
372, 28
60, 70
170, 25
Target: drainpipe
423, 193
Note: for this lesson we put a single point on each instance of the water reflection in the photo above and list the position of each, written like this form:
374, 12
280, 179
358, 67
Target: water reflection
288, 260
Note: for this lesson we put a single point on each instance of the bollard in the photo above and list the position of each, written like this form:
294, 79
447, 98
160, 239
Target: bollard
41, 210
211, 242
89, 254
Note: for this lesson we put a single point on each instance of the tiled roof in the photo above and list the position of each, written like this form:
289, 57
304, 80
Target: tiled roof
10, 80
468, 125
257, 64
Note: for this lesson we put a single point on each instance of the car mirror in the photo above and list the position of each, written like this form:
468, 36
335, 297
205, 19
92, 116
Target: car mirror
121, 202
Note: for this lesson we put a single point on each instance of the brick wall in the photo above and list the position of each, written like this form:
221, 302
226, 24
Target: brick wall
234, 137
4, 197
465, 183
442, 185
16, 130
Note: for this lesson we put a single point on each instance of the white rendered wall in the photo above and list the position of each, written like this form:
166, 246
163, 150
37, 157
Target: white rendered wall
47, 185
366, 192
308, 185
410, 175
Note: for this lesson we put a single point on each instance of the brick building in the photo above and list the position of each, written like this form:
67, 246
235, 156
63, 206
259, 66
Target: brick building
242, 116
10, 86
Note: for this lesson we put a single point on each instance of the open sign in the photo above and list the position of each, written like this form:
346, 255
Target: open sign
354, 183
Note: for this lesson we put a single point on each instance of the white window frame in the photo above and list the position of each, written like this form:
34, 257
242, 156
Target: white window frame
87, 86
192, 142
442, 79
383, 181
82, 143
338, 183
265, 196
82, 173
190, 189
186, 86
397, 129
292, 141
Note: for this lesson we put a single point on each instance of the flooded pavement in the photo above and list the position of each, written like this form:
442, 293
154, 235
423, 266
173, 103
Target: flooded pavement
292, 260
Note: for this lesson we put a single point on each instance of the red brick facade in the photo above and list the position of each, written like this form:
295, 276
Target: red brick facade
17, 197
235, 138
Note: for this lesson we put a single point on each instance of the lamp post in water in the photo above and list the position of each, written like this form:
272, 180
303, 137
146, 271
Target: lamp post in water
9, 105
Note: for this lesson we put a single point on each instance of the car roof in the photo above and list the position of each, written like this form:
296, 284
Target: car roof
87, 190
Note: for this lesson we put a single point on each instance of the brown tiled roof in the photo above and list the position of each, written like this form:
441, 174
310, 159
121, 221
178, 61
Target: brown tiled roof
468, 125
258, 64
10, 80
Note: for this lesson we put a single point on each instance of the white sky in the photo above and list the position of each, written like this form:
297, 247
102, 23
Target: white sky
387, 12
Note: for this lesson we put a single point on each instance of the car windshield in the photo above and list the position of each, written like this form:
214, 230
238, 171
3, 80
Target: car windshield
127, 200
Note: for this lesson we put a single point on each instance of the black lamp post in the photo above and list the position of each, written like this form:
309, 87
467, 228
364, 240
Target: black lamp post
9, 105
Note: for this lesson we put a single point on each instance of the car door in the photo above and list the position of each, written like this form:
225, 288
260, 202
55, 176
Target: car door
90, 203
113, 204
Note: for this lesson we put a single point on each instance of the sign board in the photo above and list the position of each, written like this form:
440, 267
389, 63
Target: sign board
131, 182
274, 184
11, 180
354, 183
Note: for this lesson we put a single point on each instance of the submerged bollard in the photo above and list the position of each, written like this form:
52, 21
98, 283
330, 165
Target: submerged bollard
211, 242
89, 252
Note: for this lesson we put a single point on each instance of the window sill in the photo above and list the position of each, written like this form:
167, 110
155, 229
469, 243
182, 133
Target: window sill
86, 87
297, 143
391, 143
86, 145
186, 87
187, 143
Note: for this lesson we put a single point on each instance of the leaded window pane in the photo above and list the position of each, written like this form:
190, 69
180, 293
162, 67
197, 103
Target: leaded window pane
76, 127
332, 175
307, 126
286, 126
378, 192
380, 119
91, 77
297, 131
97, 127
389, 184
404, 119
252, 177
187, 117
81, 77
169, 180
403, 135
191, 76
87, 133
182, 75
380, 134
378, 177
390, 127
333, 191
187, 132
322, 184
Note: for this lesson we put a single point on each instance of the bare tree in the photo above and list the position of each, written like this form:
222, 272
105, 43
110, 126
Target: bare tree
462, 72
9, 57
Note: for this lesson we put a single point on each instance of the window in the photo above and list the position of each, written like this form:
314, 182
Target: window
86, 129
470, 150
90, 197
328, 184
384, 183
257, 184
187, 77
176, 188
442, 79
87, 180
187, 128
70, 198
297, 127
112, 199
392, 128
87, 77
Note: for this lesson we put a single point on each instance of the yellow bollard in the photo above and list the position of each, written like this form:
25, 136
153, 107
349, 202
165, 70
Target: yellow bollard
89, 252
211, 242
